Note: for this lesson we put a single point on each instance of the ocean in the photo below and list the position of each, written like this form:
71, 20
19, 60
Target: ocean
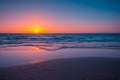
18, 49
53, 42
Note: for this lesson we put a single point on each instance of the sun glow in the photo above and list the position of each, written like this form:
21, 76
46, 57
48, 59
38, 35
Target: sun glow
35, 29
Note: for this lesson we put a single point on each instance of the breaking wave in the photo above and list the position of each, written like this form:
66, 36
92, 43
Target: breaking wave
53, 42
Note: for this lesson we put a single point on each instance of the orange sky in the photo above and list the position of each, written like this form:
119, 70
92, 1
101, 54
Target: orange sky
31, 22
55, 19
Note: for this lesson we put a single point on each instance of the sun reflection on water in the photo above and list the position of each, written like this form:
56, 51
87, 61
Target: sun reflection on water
37, 61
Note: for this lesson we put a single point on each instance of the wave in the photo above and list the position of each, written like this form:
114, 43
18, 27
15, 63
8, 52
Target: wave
52, 42
53, 47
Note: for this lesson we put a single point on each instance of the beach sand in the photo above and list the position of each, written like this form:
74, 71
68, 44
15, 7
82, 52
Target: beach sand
89, 68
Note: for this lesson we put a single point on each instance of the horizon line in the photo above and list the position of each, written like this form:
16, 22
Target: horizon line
68, 33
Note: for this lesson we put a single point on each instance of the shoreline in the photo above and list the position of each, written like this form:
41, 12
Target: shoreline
89, 68
23, 55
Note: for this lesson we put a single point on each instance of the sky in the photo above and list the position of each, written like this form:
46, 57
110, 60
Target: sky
59, 16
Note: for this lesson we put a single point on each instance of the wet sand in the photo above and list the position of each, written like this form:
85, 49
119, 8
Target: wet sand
89, 68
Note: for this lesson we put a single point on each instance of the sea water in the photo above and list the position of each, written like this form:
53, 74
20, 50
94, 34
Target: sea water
18, 49
61, 41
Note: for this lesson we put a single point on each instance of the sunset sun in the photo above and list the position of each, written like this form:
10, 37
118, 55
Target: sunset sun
35, 29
